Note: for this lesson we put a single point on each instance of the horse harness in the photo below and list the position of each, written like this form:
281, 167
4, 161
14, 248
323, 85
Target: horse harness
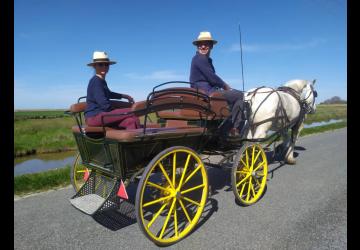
280, 113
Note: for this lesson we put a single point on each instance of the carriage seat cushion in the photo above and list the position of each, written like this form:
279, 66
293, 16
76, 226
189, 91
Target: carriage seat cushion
130, 135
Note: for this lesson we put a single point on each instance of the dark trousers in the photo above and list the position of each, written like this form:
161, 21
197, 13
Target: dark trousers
235, 100
129, 121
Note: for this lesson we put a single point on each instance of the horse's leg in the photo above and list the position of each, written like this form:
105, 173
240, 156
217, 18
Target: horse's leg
295, 133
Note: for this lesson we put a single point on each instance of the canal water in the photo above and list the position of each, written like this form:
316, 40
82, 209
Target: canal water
42, 162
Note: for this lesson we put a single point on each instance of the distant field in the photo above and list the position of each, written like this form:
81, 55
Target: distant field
38, 114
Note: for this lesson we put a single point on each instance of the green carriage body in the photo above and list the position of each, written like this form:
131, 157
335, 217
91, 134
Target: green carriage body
123, 159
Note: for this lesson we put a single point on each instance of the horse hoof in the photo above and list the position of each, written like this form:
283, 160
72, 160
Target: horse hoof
291, 161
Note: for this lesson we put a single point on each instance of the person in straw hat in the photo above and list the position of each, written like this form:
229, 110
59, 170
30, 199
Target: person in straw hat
99, 95
203, 76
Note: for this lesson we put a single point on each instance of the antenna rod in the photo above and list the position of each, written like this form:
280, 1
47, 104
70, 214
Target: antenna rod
242, 69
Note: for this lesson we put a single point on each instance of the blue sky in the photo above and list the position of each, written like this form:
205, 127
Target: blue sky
152, 43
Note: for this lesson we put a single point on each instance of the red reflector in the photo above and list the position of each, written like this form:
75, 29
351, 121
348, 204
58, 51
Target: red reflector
122, 191
86, 175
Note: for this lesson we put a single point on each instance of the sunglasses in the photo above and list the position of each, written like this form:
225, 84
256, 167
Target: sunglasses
103, 64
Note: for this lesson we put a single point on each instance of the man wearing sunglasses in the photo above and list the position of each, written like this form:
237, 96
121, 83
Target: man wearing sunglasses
203, 76
99, 95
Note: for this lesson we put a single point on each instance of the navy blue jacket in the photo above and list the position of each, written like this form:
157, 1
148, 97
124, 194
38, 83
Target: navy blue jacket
98, 97
202, 74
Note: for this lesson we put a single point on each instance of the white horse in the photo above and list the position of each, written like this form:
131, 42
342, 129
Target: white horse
279, 110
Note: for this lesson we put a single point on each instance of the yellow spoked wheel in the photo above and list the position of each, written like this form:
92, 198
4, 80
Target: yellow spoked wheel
78, 173
249, 174
171, 195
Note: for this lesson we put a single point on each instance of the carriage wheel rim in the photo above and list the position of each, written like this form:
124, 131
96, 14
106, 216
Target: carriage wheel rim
251, 174
174, 200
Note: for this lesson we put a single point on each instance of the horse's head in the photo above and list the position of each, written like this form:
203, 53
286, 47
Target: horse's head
308, 95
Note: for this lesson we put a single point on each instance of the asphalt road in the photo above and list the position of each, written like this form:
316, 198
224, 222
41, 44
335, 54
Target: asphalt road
304, 207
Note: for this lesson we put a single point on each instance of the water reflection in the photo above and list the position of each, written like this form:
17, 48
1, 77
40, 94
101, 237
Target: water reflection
316, 124
42, 162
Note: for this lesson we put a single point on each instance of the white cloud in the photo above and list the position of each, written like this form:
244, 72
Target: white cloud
277, 47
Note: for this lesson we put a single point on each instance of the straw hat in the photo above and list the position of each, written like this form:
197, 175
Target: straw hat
204, 36
100, 57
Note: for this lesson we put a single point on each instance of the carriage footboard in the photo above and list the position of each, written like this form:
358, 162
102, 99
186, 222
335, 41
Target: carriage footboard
99, 193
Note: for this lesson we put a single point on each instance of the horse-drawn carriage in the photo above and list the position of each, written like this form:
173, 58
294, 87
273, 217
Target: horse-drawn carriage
165, 159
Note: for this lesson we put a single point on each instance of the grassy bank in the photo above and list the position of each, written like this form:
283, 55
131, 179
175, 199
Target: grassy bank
52, 179
37, 182
326, 112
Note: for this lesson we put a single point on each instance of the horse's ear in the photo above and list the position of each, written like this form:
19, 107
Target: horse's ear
314, 81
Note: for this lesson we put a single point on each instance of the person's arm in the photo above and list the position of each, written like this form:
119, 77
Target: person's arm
214, 80
114, 95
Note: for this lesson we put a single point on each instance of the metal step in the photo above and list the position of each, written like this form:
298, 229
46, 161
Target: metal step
88, 204
97, 194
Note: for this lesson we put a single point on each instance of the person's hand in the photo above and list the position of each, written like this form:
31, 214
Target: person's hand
131, 100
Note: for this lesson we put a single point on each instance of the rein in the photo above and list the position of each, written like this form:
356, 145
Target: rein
280, 112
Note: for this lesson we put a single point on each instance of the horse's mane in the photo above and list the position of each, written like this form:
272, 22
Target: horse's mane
296, 84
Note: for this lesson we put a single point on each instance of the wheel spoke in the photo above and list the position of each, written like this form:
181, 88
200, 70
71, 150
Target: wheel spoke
156, 215
167, 219
192, 189
243, 180
81, 171
242, 190
242, 172
252, 157
245, 165
257, 156
192, 173
174, 169
165, 174
248, 193
252, 188
156, 186
247, 158
156, 201
175, 221
184, 209
262, 163
190, 200
183, 174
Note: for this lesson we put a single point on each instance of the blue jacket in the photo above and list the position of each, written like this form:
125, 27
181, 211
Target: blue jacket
98, 97
202, 74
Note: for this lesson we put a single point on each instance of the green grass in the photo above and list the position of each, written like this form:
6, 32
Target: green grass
43, 135
30, 183
325, 112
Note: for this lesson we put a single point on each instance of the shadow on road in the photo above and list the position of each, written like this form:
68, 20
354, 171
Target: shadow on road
219, 177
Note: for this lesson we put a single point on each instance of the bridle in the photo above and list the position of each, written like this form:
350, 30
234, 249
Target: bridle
309, 108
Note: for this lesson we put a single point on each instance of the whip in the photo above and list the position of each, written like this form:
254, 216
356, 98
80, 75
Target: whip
242, 68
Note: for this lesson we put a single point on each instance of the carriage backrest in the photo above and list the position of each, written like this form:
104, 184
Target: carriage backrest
215, 102
174, 98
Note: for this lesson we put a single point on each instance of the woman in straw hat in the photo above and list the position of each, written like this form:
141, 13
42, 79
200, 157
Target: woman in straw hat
99, 95
203, 76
